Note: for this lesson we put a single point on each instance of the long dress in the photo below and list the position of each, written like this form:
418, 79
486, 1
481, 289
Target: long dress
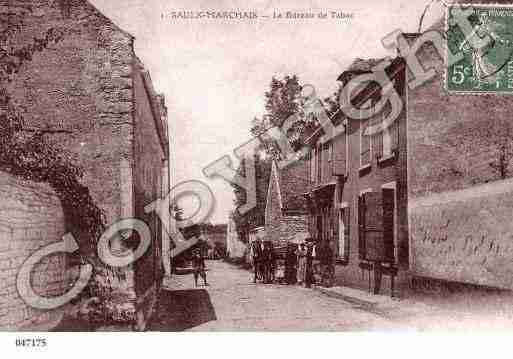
301, 258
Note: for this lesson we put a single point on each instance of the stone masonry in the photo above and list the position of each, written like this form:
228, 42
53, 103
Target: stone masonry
94, 100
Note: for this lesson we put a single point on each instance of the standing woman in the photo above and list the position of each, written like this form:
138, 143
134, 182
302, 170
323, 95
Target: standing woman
301, 259
257, 259
291, 264
310, 253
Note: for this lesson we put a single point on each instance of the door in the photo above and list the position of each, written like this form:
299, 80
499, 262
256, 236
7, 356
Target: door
378, 225
319, 228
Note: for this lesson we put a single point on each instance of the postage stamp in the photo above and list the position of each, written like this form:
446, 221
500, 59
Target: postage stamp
487, 63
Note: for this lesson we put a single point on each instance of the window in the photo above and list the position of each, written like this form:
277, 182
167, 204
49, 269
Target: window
360, 210
390, 220
311, 157
343, 232
377, 225
339, 154
319, 163
387, 139
365, 145
387, 142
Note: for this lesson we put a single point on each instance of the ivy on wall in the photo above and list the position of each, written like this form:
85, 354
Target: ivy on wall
30, 156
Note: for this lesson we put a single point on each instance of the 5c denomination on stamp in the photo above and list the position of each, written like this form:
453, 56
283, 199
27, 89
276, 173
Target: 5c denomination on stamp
487, 48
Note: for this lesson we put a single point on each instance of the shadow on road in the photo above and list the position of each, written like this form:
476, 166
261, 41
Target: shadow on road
179, 310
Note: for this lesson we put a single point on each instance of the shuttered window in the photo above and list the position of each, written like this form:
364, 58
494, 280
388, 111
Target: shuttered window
326, 164
373, 218
361, 227
389, 224
319, 163
378, 137
365, 145
343, 233
340, 155
389, 136
376, 226
312, 165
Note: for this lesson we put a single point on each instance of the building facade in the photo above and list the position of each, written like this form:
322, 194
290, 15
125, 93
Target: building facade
358, 190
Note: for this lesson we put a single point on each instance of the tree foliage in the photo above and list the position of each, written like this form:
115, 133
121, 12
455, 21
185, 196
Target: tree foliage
256, 216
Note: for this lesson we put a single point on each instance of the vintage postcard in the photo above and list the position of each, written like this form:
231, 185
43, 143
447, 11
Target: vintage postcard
263, 166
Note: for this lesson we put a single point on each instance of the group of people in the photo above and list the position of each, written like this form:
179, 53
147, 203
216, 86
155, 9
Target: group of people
264, 261
298, 262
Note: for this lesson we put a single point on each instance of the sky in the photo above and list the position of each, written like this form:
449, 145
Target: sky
214, 73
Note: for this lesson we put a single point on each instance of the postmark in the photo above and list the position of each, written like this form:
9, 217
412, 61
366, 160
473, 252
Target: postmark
487, 48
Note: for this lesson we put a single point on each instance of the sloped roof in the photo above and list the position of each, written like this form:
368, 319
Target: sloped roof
293, 181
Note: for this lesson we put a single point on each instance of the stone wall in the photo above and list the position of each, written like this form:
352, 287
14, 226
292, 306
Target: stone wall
465, 236
80, 86
290, 226
30, 218
81, 92
148, 162
453, 145
279, 226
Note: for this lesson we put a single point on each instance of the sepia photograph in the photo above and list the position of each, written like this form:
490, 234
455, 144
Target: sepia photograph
255, 166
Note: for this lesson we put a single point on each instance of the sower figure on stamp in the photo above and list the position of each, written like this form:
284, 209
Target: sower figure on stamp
198, 264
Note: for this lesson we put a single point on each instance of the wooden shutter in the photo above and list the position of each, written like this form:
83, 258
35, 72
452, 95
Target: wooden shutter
374, 244
394, 134
388, 224
361, 228
377, 138
344, 215
339, 155
365, 145
326, 171
313, 158
318, 166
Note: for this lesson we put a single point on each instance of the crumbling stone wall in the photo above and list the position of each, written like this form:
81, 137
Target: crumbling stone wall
280, 226
80, 93
31, 217
79, 90
465, 236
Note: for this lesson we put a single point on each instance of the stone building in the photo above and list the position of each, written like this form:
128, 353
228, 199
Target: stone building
93, 99
357, 194
285, 211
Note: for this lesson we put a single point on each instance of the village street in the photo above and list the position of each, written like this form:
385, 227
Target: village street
233, 303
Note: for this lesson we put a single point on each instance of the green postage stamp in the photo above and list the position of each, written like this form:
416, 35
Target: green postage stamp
487, 68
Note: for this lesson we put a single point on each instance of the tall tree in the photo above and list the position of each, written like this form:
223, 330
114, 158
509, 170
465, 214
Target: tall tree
256, 216
282, 100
